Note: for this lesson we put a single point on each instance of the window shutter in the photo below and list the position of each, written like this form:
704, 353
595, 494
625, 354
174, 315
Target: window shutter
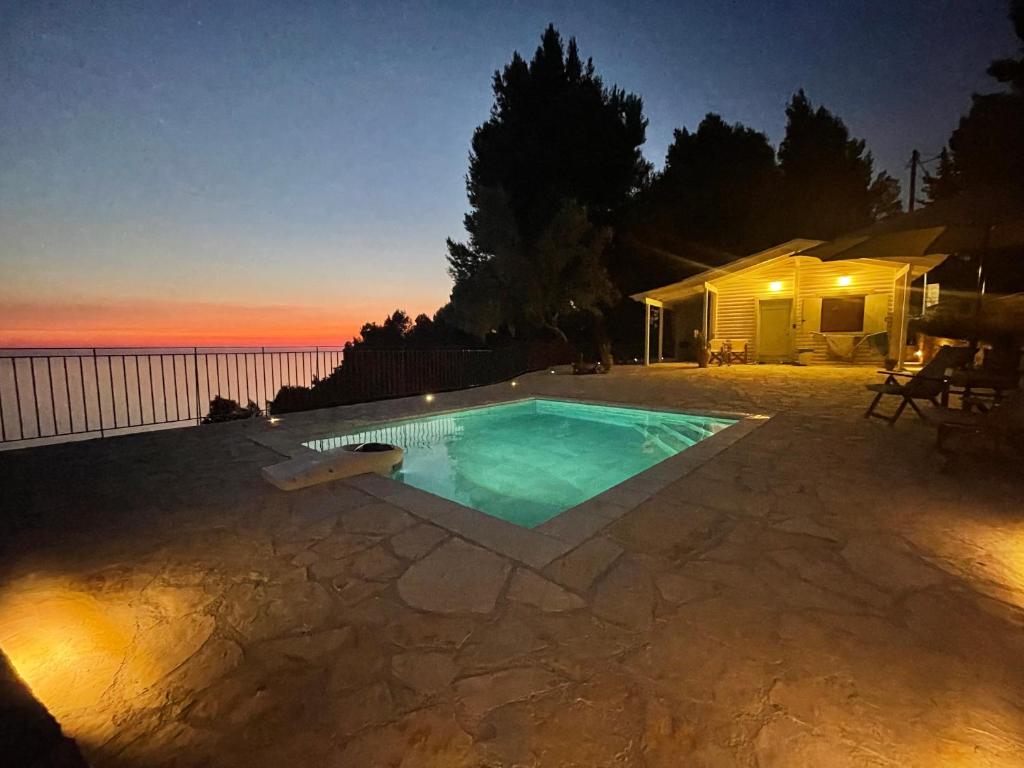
876, 310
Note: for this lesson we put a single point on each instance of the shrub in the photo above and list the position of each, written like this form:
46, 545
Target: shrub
226, 409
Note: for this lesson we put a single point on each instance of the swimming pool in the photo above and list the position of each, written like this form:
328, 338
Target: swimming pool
527, 461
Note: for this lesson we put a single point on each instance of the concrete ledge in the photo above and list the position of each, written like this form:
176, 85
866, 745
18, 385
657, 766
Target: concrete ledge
325, 466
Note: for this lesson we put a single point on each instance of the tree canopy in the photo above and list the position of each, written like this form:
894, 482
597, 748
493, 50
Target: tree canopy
398, 331
559, 155
827, 175
986, 150
717, 187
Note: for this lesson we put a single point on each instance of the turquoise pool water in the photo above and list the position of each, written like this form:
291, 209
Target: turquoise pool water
527, 461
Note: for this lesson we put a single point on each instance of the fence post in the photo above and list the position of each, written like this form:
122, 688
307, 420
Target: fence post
99, 400
195, 366
263, 360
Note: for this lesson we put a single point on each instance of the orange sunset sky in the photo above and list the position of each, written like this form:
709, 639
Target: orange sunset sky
211, 293
272, 173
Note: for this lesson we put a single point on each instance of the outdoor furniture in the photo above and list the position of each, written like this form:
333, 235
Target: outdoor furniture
718, 351
927, 384
1003, 423
737, 351
978, 389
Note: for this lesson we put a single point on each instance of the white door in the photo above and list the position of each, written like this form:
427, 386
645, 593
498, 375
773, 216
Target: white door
774, 330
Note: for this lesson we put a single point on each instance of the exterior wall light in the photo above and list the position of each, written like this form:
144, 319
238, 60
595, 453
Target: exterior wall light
515, 383
775, 286
429, 398
845, 280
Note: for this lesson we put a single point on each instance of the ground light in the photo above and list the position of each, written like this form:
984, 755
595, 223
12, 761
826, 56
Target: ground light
88, 655
64, 645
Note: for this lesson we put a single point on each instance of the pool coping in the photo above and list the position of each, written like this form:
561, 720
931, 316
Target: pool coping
537, 547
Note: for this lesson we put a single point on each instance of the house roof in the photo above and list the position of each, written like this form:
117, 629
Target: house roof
695, 283
809, 249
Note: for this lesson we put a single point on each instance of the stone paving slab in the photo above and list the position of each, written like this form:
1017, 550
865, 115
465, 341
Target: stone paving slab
458, 577
813, 594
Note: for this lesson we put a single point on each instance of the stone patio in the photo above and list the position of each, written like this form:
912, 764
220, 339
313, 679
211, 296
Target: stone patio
815, 594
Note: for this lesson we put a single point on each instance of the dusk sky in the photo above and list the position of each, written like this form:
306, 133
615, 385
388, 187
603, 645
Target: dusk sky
178, 173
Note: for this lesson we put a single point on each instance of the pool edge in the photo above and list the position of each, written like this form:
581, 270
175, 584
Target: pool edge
539, 546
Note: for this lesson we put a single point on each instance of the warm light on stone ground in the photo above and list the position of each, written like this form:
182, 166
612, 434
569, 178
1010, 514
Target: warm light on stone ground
815, 595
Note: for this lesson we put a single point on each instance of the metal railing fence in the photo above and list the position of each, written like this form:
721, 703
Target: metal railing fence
54, 394
51, 393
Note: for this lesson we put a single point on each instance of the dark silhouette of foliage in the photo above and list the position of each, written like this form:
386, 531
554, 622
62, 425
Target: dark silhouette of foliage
722, 186
397, 331
537, 286
372, 374
944, 182
226, 409
1011, 71
987, 148
558, 157
388, 335
988, 145
827, 176
718, 187
886, 197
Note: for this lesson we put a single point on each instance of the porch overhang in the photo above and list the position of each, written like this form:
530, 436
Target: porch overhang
694, 285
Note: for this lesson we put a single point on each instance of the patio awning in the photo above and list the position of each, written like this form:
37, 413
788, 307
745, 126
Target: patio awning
982, 220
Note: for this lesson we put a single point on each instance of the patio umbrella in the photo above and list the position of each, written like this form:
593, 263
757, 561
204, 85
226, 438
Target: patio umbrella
977, 223
972, 222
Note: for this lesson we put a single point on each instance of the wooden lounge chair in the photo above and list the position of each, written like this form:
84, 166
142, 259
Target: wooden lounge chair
926, 384
738, 351
718, 351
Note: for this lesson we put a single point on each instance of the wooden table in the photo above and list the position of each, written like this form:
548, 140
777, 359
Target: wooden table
976, 387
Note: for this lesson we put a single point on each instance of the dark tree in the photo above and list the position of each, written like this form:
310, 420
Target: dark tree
1011, 71
559, 155
885, 197
388, 335
827, 176
944, 182
986, 150
719, 188
399, 332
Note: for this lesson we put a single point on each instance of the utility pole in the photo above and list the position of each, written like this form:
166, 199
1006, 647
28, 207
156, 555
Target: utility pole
915, 160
